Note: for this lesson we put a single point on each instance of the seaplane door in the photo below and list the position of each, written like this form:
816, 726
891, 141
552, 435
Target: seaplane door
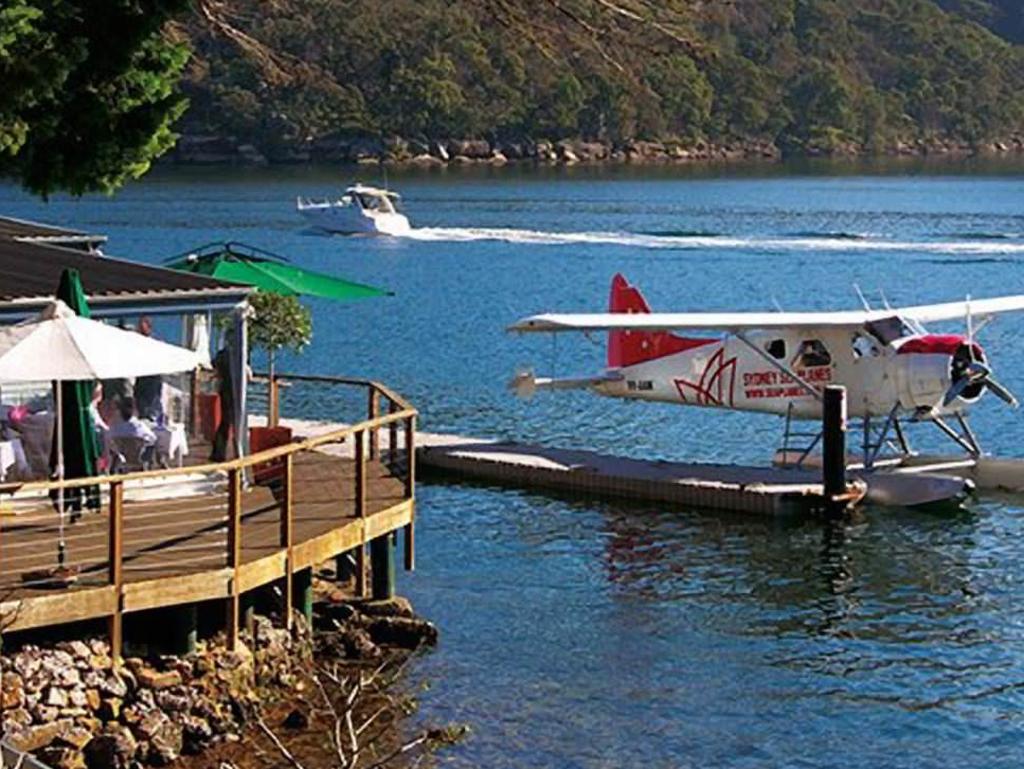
868, 380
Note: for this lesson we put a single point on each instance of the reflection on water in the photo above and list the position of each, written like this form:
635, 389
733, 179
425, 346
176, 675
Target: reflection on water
593, 634
583, 634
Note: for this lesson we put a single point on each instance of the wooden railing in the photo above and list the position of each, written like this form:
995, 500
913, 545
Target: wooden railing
223, 576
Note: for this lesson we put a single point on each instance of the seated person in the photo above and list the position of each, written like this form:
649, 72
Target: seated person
131, 426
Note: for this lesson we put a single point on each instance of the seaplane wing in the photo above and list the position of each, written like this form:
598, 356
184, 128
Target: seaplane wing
744, 321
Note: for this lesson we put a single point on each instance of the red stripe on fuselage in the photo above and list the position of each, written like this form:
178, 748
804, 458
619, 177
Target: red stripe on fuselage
934, 344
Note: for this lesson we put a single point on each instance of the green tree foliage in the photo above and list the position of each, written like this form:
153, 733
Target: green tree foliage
279, 322
810, 75
89, 90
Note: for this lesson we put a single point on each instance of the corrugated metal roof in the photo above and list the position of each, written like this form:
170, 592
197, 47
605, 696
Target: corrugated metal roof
31, 269
23, 228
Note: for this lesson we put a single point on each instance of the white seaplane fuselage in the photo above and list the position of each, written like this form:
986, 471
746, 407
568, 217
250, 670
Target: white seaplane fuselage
360, 211
789, 370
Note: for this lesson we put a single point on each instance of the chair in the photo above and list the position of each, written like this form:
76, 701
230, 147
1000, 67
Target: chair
129, 453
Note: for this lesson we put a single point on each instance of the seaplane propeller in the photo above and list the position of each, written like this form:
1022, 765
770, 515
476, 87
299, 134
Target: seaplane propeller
971, 373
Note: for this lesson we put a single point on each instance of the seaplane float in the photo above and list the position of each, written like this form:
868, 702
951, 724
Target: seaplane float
896, 373
361, 210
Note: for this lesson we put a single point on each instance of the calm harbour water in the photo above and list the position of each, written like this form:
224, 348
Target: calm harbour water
587, 634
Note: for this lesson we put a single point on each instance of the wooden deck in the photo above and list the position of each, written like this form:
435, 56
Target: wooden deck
173, 537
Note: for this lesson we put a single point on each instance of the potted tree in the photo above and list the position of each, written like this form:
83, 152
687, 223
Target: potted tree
278, 322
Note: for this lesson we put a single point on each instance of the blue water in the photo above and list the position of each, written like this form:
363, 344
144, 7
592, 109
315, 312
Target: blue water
587, 634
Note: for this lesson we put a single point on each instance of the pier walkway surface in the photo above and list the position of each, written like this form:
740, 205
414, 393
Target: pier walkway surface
759, 490
210, 531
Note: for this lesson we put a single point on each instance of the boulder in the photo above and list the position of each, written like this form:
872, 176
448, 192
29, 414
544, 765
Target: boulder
474, 149
15, 718
12, 691
62, 757
33, 738
385, 607
163, 736
44, 714
149, 678
425, 160
196, 734
359, 645
110, 708
74, 736
404, 632
77, 698
115, 748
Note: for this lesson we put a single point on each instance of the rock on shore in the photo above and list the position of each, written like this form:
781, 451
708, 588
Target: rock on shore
362, 150
70, 706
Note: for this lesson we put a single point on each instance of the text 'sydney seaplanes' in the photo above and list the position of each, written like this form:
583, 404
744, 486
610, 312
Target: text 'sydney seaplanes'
895, 372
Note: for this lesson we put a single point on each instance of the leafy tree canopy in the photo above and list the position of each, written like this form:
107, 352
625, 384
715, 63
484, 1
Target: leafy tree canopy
89, 90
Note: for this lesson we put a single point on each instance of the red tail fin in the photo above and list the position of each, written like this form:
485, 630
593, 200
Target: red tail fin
627, 348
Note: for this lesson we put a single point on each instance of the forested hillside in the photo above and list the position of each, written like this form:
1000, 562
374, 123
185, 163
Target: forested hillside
803, 76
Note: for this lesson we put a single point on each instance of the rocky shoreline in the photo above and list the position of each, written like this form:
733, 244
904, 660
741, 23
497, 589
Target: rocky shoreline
193, 149
68, 704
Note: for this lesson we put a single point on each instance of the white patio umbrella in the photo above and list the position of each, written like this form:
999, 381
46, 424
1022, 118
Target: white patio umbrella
58, 345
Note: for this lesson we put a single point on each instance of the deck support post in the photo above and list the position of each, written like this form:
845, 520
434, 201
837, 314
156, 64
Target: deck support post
382, 566
183, 623
410, 492
360, 500
286, 535
344, 566
234, 554
115, 544
834, 450
302, 593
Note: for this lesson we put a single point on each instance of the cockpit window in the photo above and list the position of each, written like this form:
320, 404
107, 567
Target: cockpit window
812, 352
776, 348
889, 330
864, 346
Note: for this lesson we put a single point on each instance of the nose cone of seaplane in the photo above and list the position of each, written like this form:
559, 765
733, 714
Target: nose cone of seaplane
957, 367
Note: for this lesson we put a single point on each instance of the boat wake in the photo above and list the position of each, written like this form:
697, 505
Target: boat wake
825, 242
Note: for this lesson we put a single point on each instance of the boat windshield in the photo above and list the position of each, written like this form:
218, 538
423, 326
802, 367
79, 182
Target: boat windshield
381, 203
372, 202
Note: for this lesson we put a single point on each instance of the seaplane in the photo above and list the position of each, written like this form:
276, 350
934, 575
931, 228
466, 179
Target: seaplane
896, 374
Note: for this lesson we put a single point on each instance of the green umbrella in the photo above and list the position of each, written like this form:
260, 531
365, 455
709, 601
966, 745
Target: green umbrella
81, 444
251, 266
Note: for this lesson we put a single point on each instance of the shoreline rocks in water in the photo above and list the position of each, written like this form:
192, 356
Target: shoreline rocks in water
70, 707
361, 150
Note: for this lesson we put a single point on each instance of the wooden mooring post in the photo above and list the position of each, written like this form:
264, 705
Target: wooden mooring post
834, 450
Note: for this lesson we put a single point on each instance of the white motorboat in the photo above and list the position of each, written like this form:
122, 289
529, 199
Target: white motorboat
361, 210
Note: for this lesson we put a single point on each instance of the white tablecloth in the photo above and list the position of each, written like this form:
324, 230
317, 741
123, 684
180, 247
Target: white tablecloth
171, 444
12, 455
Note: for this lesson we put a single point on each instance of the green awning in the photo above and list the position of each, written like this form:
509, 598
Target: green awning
250, 266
